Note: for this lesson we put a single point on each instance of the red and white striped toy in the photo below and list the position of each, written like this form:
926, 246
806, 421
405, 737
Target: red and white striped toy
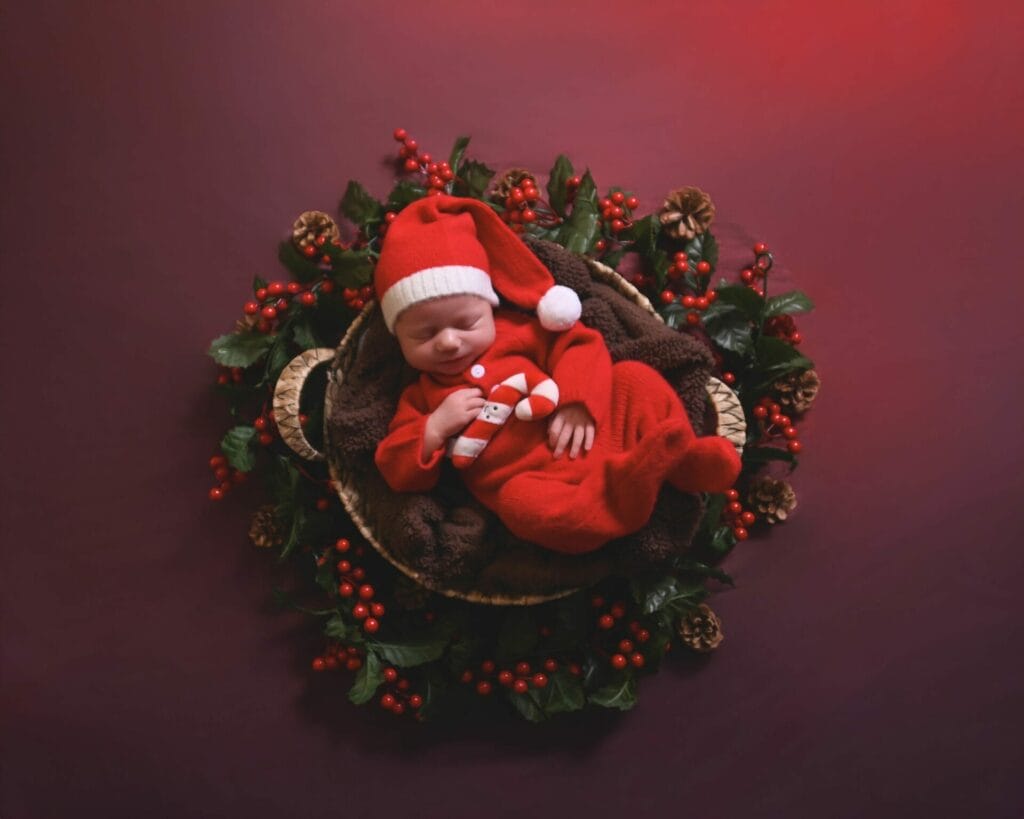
530, 397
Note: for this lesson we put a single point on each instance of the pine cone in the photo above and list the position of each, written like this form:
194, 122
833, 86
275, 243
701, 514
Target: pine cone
512, 178
771, 499
701, 629
687, 212
246, 323
409, 594
310, 225
263, 531
797, 391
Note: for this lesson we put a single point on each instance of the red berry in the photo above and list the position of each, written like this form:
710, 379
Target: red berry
732, 494
729, 378
309, 251
388, 701
222, 473
275, 288
618, 610
693, 318
600, 244
688, 301
637, 659
747, 275
357, 304
703, 268
358, 573
319, 664
794, 447
575, 670
266, 439
223, 378
625, 646
483, 687
216, 493
795, 337
353, 663
505, 677
400, 134
251, 308
322, 504
539, 680
605, 621
521, 686
307, 299
550, 665
366, 592
529, 215
741, 533
487, 666
618, 197
269, 313
643, 635
467, 676
760, 412
390, 675
260, 424
342, 545
617, 225
760, 248
261, 294
327, 287
377, 609
667, 297
702, 303
346, 589
522, 669
360, 611
415, 701
712, 295
790, 432
411, 145
371, 625
619, 661
632, 203
735, 507
597, 601
748, 518
411, 165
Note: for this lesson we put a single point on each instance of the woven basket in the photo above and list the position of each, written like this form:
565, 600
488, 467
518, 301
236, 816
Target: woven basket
730, 423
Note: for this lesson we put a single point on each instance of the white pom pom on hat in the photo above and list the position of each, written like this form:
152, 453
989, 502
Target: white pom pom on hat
449, 246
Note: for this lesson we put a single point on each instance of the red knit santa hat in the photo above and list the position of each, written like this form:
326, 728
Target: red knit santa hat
449, 246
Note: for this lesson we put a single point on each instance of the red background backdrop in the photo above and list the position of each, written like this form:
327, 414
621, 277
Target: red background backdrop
152, 156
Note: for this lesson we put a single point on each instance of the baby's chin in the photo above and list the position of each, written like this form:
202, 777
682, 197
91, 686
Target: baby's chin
453, 367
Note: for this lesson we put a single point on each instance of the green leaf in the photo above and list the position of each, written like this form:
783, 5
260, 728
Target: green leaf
240, 349
298, 516
368, 680
620, 694
458, 151
527, 706
404, 193
301, 267
723, 541
304, 335
473, 178
257, 284
776, 358
741, 298
359, 206
518, 635
729, 329
792, 302
709, 249
579, 232
561, 173
563, 693
354, 268
695, 567
336, 628
239, 448
412, 653
278, 357
643, 233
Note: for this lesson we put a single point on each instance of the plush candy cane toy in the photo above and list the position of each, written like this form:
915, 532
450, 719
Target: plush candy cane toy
532, 398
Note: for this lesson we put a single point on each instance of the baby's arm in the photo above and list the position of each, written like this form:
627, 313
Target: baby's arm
452, 416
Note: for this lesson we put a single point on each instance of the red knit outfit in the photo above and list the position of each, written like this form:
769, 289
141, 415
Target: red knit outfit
643, 438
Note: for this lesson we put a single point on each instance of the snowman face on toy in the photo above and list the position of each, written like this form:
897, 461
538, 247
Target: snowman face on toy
445, 335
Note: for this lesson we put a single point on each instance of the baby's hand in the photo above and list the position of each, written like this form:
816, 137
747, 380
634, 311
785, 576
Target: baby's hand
571, 423
456, 411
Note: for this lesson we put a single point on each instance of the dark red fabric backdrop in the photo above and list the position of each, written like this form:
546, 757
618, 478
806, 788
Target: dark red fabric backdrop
153, 154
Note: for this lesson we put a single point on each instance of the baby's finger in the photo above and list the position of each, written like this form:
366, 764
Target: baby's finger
554, 428
588, 439
563, 439
577, 441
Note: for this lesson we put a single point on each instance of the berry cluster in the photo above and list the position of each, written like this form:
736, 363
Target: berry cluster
783, 327
736, 516
775, 425
398, 698
265, 429
521, 205
274, 300
617, 212
759, 270
625, 651
339, 656
356, 299
225, 476
352, 584
438, 174
230, 375
520, 678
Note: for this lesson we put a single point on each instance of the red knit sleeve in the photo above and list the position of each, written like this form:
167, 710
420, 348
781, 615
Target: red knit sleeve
581, 365
399, 454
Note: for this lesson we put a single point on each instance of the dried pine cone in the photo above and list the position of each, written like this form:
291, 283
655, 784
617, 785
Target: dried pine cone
701, 629
409, 594
797, 391
246, 323
512, 178
687, 212
263, 531
311, 224
771, 499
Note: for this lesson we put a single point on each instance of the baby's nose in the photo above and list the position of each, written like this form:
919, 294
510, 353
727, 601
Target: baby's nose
447, 340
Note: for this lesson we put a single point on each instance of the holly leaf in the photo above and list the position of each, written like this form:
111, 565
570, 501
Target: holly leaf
722, 541
741, 298
404, 193
474, 177
563, 693
359, 206
729, 329
620, 694
561, 173
527, 706
301, 267
792, 302
709, 249
579, 232
412, 653
257, 284
458, 151
368, 680
353, 268
775, 358
643, 233
298, 517
239, 447
336, 628
240, 349
304, 335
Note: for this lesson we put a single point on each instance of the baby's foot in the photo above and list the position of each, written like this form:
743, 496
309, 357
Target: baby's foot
710, 464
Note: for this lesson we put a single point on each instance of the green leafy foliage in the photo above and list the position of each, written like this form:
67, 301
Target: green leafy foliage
240, 349
359, 206
473, 179
239, 447
792, 302
579, 232
458, 151
304, 269
776, 358
368, 680
620, 694
414, 652
405, 193
558, 195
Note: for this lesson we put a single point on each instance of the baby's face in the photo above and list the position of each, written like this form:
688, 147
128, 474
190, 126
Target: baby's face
445, 335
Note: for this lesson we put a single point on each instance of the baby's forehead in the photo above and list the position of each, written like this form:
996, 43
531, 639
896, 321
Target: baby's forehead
440, 310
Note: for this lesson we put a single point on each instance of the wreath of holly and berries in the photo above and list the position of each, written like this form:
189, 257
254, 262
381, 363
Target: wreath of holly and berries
420, 654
